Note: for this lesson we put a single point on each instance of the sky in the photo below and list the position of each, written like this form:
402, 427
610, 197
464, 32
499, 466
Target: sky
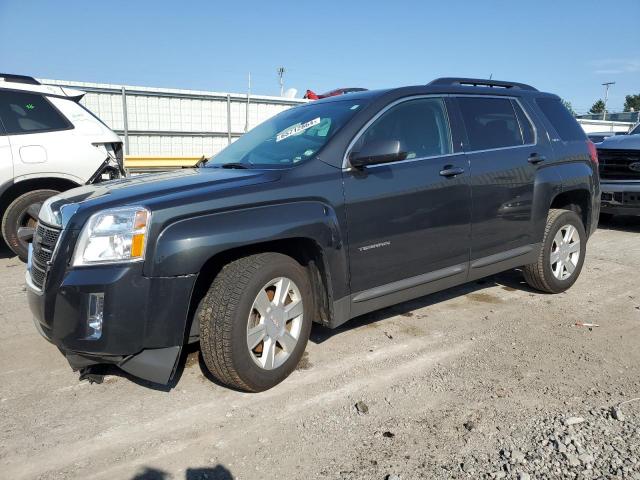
568, 47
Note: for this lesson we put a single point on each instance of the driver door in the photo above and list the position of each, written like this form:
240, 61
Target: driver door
409, 221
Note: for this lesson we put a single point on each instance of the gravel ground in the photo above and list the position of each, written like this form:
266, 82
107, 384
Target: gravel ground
487, 380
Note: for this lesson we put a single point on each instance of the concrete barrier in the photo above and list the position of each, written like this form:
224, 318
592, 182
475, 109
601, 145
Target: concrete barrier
150, 163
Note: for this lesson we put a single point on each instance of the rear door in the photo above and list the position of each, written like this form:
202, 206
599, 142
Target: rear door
37, 132
408, 217
504, 155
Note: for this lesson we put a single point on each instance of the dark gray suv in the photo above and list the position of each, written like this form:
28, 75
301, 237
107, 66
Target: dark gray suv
325, 212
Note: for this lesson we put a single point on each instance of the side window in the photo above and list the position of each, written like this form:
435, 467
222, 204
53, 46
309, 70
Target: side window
525, 125
490, 123
419, 125
23, 112
564, 123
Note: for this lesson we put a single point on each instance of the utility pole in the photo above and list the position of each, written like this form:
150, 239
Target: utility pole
606, 86
281, 75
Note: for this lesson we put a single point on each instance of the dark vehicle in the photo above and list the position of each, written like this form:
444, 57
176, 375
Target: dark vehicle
597, 137
620, 174
311, 95
323, 213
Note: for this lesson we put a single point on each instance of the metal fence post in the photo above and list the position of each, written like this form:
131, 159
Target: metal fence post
229, 118
246, 117
125, 121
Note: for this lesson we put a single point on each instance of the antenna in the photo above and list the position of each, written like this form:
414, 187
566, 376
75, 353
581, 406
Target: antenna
280, 72
606, 86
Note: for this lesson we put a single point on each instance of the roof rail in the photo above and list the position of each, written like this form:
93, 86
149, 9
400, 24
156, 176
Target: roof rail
479, 82
10, 77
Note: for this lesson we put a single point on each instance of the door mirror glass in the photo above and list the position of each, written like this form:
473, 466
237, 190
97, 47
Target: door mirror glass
376, 152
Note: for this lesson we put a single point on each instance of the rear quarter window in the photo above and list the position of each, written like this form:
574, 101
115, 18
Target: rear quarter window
23, 112
565, 125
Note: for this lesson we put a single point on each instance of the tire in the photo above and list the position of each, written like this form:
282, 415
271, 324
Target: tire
542, 275
17, 215
228, 313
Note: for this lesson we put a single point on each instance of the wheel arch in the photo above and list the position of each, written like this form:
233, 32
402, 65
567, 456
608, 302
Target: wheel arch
577, 200
571, 185
15, 189
304, 250
307, 231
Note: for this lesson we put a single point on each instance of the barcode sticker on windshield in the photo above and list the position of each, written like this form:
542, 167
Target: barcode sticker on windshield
296, 129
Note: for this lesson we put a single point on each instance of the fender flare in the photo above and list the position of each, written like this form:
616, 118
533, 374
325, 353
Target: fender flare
546, 186
185, 246
49, 175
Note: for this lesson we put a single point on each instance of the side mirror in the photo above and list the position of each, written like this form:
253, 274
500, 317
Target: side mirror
376, 152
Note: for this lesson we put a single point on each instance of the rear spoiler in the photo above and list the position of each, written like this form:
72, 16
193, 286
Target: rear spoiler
73, 94
10, 77
57, 90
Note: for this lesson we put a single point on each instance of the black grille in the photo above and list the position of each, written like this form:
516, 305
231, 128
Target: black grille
37, 276
619, 164
44, 243
48, 236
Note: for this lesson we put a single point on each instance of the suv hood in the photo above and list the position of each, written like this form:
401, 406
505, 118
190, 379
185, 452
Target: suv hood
157, 190
621, 142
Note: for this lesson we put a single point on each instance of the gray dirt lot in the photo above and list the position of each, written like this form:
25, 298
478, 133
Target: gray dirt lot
474, 382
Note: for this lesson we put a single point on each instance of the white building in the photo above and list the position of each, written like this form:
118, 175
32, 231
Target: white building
600, 126
173, 122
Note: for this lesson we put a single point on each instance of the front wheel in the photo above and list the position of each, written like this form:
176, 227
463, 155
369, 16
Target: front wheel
255, 321
22, 212
562, 254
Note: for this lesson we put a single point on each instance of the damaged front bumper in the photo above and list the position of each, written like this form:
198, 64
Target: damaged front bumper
113, 166
143, 320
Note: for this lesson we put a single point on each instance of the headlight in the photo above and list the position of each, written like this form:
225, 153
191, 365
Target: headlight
47, 215
113, 236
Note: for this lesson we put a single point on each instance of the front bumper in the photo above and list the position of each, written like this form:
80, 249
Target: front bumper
620, 198
144, 319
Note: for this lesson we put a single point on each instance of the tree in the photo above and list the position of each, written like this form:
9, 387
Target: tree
597, 107
568, 106
632, 102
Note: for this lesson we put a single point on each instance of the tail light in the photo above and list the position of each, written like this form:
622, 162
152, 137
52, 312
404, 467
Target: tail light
593, 152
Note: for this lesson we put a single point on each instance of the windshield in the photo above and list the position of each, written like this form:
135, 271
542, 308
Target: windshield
635, 131
289, 138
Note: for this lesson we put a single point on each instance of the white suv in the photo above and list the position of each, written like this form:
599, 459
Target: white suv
49, 142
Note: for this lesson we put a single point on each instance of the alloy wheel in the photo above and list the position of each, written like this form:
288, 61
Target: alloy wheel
275, 323
565, 252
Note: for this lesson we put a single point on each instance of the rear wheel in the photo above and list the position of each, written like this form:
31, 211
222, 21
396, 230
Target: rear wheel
255, 321
22, 212
562, 254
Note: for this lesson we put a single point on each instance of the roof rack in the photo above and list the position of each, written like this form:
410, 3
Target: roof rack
10, 77
479, 82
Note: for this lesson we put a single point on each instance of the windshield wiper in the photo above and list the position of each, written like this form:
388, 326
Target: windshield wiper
234, 165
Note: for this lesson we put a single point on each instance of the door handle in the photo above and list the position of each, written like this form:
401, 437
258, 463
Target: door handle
451, 171
534, 159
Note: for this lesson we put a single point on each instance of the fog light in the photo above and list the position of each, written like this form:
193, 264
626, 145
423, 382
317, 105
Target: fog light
95, 315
